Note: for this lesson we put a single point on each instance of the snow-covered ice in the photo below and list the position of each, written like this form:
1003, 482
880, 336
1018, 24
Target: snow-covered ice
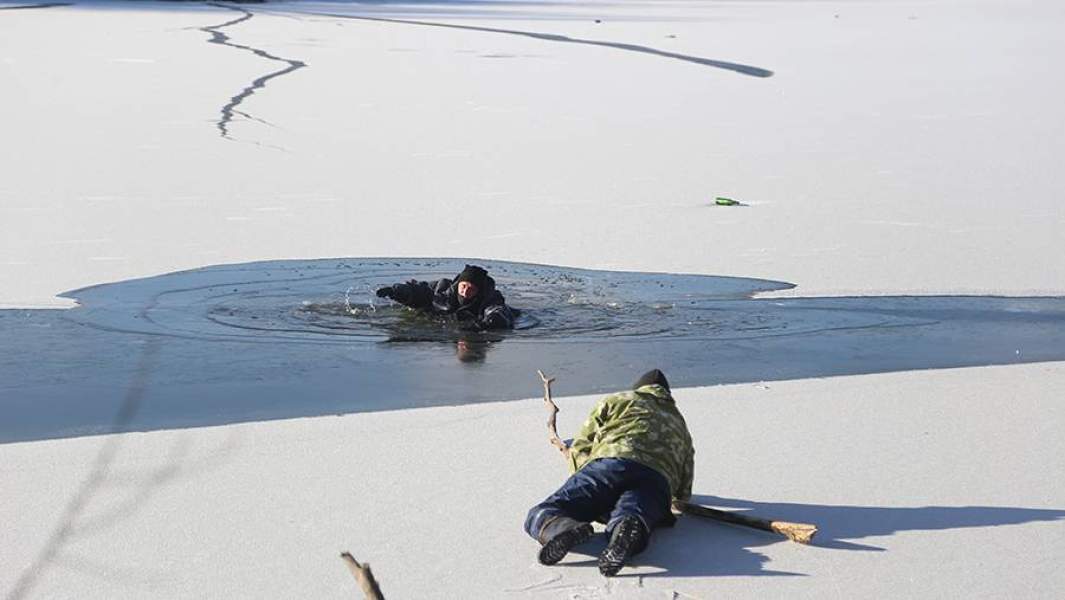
885, 148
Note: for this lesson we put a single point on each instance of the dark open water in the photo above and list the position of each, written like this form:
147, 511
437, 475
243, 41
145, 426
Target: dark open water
297, 338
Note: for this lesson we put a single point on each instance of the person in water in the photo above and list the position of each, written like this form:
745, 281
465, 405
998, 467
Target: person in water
471, 299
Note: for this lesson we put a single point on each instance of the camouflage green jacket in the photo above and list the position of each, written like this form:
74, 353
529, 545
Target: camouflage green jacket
642, 425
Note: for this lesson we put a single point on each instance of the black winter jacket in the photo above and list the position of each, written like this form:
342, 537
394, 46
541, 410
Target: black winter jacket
487, 310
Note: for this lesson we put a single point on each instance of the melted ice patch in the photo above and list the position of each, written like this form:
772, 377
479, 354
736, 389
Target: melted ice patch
331, 301
285, 339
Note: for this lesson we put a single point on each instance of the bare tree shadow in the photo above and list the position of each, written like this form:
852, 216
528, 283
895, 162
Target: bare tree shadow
140, 486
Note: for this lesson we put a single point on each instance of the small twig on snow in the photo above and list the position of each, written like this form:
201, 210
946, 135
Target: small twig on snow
364, 576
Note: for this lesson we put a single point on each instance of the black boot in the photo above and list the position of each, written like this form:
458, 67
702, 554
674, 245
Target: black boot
561, 535
628, 538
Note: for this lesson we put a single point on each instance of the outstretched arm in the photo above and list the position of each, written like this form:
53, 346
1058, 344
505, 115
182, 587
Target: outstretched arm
415, 294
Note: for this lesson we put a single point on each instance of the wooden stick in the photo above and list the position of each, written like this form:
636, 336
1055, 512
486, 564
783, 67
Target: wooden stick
364, 576
552, 428
802, 533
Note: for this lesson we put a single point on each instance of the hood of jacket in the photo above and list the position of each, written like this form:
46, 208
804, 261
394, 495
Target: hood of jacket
657, 391
456, 303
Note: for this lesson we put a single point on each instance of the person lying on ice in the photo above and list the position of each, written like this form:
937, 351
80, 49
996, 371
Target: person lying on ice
633, 455
471, 298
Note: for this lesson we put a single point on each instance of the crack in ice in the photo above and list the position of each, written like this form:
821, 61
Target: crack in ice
552, 37
229, 110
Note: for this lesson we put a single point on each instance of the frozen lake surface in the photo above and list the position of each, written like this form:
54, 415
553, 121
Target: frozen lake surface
284, 339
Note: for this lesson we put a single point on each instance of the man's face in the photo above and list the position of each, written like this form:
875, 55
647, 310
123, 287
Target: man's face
467, 290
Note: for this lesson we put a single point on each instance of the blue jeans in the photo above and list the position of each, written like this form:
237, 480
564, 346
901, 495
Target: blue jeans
606, 489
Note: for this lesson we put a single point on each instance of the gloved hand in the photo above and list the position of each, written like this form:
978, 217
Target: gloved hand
385, 292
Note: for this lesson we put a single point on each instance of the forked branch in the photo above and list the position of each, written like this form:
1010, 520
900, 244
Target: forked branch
552, 427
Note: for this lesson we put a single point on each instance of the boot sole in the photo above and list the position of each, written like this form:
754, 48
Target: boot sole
556, 549
619, 550
611, 562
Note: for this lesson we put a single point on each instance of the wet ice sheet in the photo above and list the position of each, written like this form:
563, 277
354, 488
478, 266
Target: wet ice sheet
333, 302
296, 338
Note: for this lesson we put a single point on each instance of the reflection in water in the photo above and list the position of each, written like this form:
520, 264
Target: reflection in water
471, 351
415, 327
292, 338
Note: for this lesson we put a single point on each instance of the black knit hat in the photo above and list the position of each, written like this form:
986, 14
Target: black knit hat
475, 275
652, 376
